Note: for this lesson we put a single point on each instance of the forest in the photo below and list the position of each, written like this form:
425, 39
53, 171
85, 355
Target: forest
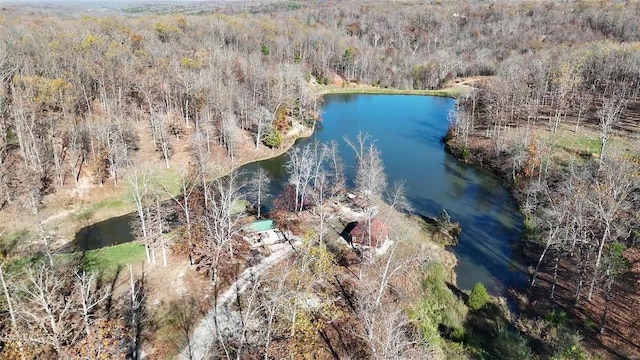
149, 113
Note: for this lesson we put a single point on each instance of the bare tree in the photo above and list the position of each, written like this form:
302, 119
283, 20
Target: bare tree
157, 226
554, 219
371, 180
89, 297
611, 197
301, 166
336, 167
229, 134
609, 115
258, 188
16, 331
44, 307
139, 190
263, 122
384, 326
461, 121
221, 222
188, 182
159, 130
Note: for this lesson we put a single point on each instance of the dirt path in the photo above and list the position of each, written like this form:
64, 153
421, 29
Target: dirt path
204, 335
470, 80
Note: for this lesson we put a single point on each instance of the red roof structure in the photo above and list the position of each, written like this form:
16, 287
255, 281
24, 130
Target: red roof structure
379, 233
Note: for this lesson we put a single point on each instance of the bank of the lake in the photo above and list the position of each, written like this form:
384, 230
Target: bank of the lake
354, 89
103, 218
408, 130
109, 222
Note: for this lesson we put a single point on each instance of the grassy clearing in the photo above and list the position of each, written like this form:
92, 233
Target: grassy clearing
9, 242
570, 146
117, 203
577, 143
446, 92
109, 260
170, 180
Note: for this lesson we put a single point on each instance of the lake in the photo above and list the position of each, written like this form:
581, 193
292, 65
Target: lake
408, 130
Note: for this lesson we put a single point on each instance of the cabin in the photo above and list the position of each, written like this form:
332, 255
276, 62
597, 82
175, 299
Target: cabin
357, 233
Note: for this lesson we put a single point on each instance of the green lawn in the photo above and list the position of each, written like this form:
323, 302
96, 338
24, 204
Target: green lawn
117, 203
8, 242
107, 261
170, 180
110, 259
448, 92
577, 143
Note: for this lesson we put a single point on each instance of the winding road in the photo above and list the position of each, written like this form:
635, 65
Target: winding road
203, 337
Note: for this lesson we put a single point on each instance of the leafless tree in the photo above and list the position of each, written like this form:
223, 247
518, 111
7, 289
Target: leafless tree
302, 163
16, 331
188, 181
139, 190
258, 188
462, 122
263, 123
609, 115
385, 329
371, 180
336, 167
44, 307
221, 221
89, 297
611, 198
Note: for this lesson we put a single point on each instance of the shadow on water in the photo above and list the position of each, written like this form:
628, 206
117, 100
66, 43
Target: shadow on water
110, 232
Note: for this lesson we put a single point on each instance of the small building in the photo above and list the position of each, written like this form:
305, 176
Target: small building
264, 232
357, 233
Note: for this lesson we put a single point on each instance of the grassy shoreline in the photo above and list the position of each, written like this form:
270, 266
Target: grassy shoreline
450, 92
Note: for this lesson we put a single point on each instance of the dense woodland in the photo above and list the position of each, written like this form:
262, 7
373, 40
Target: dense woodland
82, 95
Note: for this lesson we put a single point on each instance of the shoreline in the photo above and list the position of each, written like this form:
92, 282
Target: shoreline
224, 171
61, 215
322, 90
361, 89
478, 157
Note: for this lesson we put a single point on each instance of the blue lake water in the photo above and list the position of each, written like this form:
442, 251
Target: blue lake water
408, 130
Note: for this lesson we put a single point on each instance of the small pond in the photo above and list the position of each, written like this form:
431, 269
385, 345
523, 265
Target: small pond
109, 232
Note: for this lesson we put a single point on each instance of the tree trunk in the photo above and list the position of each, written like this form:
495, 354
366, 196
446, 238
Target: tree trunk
555, 276
597, 266
12, 314
582, 270
603, 143
535, 273
164, 254
607, 303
